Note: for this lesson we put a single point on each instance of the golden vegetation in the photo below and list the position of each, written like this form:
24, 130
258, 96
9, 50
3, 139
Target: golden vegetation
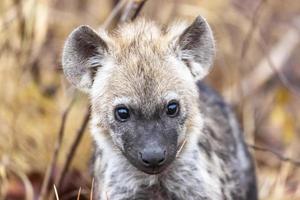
256, 69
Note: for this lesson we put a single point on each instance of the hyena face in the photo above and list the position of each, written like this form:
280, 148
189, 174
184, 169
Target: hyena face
144, 108
141, 80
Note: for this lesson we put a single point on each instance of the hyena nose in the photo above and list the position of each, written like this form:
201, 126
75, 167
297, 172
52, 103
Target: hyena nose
152, 158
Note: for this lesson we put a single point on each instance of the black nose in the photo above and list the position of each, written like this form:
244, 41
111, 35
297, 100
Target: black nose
152, 157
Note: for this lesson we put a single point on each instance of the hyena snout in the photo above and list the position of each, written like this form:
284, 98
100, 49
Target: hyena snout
153, 157
152, 150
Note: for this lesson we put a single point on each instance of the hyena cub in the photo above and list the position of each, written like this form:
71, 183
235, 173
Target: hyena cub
159, 133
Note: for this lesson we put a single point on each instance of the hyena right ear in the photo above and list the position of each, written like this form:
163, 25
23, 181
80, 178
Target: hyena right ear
83, 53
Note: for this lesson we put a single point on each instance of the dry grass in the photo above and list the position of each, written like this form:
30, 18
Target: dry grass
34, 92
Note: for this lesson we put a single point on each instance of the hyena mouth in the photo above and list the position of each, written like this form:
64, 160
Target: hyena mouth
154, 170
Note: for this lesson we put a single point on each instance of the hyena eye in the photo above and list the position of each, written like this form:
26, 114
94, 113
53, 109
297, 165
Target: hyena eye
122, 114
172, 109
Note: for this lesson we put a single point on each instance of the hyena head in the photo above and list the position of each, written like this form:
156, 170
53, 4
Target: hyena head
141, 82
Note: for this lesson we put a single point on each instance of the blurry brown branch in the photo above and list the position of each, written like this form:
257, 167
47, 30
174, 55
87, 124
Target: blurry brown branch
49, 172
92, 190
29, 191
56, 193
79, 192
72, 149
132, 10
271, 64
273, 61
7, 166
116, 10
275, 153
254, 22
291, 35
244, 49
8, 17
278, 55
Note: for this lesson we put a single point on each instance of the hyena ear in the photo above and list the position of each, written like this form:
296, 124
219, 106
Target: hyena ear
197, 47
83, 53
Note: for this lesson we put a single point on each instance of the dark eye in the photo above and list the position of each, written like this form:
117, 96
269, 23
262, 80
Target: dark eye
172, 109
122, 114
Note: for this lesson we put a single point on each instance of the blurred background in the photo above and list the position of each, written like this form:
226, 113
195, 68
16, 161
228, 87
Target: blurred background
257, 69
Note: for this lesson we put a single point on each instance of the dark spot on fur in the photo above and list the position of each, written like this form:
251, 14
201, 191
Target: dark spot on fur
222, 181
206, 147
208, 130
223, 193
234, 195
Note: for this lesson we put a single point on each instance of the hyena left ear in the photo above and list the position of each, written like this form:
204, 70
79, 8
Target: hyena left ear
83, 53
197, 47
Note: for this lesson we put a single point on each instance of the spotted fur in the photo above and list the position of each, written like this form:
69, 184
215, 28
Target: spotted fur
144, 65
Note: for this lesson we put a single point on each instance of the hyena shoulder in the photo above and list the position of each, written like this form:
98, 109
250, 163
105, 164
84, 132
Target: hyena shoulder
224, 139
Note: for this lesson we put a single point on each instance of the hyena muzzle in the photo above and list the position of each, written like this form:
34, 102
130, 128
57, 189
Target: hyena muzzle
159, 132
